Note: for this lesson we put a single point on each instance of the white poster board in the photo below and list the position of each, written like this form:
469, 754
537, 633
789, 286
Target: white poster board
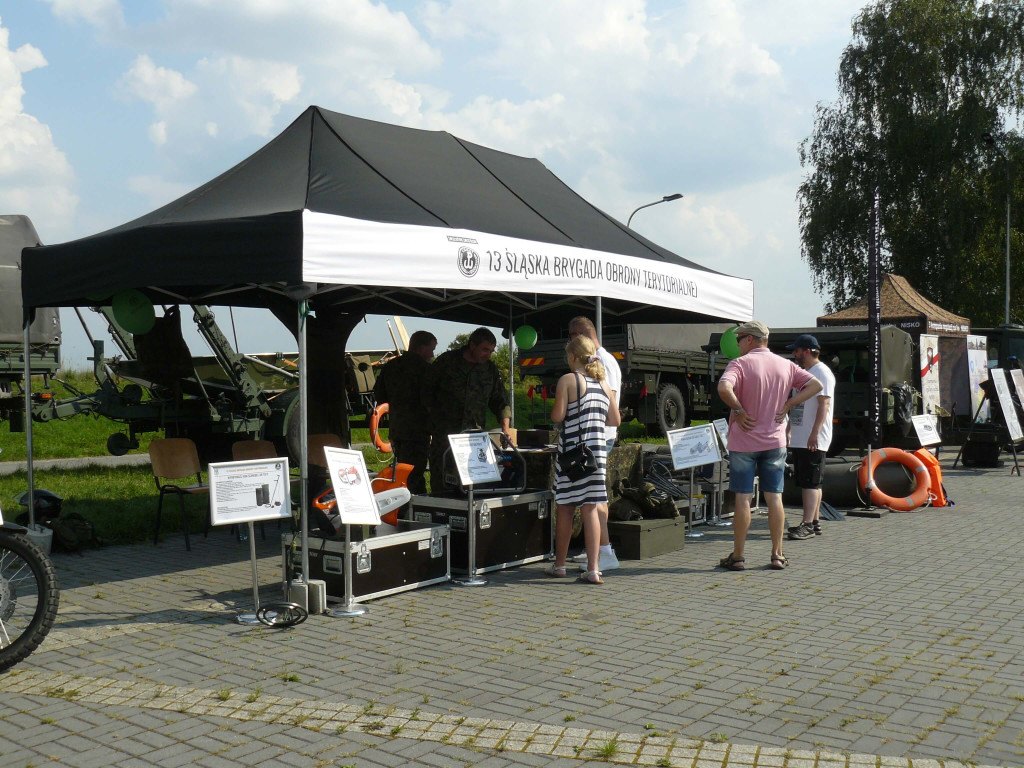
1006, 404
926, 426
929, 354
249, 491
1017, 376
977, 372
352, 491
722, 428
694, 446
473, 453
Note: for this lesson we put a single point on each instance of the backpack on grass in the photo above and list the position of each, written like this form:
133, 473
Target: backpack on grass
72, 533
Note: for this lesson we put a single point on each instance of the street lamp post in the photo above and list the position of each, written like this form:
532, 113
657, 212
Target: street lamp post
597, 303
665, 199
991, 141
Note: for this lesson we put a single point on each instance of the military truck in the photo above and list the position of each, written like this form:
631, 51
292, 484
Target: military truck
666, 379
845, 350
1005, 345
17, 232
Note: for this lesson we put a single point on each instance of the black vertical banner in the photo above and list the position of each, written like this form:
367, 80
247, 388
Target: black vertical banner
874, 434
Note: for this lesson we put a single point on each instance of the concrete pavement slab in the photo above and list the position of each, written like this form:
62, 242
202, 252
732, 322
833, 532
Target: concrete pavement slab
891, 641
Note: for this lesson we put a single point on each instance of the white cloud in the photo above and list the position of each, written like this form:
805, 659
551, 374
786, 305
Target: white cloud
102, 14
162, 87
157, 191
158, 133
245, 93
35, 177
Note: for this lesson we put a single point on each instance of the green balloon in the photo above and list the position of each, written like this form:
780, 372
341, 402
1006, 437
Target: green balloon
526, 336
728, 344
133, 311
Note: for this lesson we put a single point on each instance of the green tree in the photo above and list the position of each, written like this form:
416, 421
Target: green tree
500, 357
920, 85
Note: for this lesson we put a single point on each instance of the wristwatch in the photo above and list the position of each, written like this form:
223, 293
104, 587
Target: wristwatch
738, 411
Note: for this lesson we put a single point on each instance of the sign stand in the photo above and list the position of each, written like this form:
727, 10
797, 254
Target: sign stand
472, 578
473, 453
244, 492
722, 429
349, 608
693, 447
996, 390
690, 533
356, 506
250, 618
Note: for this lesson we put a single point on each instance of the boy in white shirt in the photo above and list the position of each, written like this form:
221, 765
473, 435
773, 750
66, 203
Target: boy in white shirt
810, 434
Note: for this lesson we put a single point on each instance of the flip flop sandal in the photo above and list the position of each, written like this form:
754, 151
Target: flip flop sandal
731, 563
555, 572
778, 563
591, 577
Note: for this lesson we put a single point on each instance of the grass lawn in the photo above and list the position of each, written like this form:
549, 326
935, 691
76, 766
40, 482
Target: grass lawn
121, 501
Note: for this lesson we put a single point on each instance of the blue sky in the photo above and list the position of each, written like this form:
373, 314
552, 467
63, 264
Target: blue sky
109, 109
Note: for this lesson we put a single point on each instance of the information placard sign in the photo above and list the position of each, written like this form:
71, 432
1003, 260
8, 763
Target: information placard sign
473, 453
1006, 403
930, 363
926, 426
693, 446
722, 428
1017, 376
977, 372
356, 505
249, 491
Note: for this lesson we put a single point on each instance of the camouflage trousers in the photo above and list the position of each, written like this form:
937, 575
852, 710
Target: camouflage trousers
416, 453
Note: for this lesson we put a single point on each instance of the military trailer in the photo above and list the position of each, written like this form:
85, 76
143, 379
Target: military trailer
666, 379
17, 232
845, 350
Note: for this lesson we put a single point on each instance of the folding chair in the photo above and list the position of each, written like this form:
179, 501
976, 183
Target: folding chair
244, 450
176, 458
317, 443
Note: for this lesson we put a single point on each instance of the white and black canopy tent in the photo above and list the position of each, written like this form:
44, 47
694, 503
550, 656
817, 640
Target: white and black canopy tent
369, 218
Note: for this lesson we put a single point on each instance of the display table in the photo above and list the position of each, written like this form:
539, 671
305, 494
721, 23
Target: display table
394, 559
511, 529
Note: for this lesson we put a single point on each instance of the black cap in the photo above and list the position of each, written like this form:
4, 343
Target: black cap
805, 341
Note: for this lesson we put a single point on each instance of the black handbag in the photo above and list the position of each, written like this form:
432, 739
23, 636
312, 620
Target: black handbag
578, 461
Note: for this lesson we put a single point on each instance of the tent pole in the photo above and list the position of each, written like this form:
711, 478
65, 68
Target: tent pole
28, 423
597, 319
511, 367
303, 443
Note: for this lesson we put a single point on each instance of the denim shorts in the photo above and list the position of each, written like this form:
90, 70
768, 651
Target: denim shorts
769, 466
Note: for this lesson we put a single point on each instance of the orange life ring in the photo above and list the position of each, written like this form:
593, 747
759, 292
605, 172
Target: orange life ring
935, 474
922, 480
379, 444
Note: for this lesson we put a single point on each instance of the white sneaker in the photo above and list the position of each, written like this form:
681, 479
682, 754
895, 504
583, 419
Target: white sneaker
606, 561
580, 558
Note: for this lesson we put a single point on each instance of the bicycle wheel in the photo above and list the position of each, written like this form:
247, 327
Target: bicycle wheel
28, 597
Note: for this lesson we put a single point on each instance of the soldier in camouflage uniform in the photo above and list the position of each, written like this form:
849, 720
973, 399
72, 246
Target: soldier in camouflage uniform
400, 385
460, 386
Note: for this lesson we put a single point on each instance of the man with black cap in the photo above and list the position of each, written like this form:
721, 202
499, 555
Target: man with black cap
757, 387
810, 434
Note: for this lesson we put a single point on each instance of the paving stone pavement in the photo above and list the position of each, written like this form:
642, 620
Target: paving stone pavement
896, 642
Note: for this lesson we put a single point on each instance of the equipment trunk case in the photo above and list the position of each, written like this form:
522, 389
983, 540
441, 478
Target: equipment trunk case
510, 530
417, 555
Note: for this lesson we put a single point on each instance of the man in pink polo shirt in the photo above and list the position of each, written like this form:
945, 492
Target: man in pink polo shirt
756, 387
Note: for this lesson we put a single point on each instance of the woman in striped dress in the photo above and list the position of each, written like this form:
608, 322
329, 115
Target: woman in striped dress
583, 405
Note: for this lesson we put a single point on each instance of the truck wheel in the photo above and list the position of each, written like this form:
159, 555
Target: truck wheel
671, 408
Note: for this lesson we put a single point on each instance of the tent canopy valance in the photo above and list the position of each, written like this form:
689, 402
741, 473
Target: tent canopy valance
374, 218
905, 308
